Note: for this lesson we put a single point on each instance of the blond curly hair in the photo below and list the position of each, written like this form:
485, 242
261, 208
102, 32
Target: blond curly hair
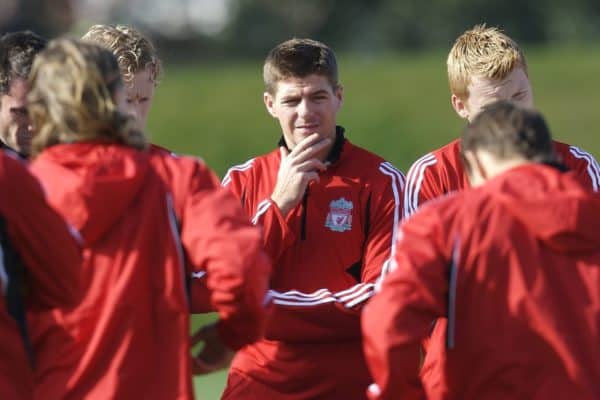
71, 97
134, 51
485, 52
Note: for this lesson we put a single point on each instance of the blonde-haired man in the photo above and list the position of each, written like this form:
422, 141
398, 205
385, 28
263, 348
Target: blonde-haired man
484, 65
139, 64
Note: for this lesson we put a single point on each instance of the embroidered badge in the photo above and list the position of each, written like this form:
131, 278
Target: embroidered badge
339, 218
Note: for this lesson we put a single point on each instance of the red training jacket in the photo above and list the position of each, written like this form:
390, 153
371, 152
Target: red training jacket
142, 216
515, 268
327, 255
441, 172
39, 269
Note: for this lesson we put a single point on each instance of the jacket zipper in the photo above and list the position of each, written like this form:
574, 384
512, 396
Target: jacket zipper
303, 227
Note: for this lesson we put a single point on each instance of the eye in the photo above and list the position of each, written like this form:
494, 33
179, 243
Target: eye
19, 112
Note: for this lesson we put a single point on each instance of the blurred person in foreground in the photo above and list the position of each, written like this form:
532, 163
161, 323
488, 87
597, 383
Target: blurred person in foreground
148, 222
513, 264
40, 265
328, 210
17, 51
484, 65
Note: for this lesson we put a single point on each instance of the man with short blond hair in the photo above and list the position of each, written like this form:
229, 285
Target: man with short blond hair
484, 65
139, 64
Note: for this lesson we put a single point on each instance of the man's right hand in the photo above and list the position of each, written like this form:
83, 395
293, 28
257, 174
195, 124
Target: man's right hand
297, 169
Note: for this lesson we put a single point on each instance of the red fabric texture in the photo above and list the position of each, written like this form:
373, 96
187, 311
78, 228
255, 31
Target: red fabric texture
523, 308
148, 220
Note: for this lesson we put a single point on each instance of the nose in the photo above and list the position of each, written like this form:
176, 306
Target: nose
304, 108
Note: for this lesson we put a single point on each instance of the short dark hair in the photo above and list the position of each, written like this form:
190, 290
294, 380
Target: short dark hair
507, 130
17, 51
299, 58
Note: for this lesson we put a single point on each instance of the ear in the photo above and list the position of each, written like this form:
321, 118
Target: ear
459, 106
269, 100
339, 93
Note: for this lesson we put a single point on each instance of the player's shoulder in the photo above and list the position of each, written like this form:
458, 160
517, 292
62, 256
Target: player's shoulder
569, 151
446, 157
13, 168
174, 166
368, 163
252, 165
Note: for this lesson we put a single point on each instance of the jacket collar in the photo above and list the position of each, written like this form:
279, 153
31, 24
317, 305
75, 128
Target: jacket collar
336, 150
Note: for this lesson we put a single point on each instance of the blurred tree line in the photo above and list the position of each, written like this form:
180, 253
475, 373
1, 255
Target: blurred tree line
212, 29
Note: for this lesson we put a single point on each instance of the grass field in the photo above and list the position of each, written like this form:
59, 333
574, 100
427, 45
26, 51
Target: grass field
395, 105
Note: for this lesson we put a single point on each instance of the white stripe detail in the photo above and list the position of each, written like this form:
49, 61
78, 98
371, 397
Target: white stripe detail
415, 177
239, 168
198, 275
348, 297
593, 168
397, 187
262, 208
3, 273
75, 234
452, 296
177, 240
374, 389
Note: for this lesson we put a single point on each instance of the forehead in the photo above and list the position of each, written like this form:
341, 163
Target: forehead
297, 86
142, 83
516, 80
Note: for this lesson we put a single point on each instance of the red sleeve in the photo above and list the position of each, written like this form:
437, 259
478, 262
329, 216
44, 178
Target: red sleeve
276, 235
43, 240
398, 317
584, 165
422, 184
220, 240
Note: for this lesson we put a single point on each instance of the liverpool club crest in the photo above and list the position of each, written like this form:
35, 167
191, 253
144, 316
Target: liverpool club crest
339, 218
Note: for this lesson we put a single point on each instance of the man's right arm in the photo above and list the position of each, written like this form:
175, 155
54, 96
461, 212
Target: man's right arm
220, 241
399, 316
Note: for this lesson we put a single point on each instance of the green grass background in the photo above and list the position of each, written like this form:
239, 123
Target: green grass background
396, 105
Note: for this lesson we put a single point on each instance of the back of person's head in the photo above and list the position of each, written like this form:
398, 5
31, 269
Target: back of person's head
485, 52
299, 58
17, 51
507, 131
72, 96
134, 51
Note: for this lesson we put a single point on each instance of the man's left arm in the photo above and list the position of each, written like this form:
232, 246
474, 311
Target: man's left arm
585, 166
385, 215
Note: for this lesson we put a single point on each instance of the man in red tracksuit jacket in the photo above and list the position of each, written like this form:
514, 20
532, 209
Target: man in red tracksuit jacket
484, 65
149, 220
514, 265
328, 210
39, 269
